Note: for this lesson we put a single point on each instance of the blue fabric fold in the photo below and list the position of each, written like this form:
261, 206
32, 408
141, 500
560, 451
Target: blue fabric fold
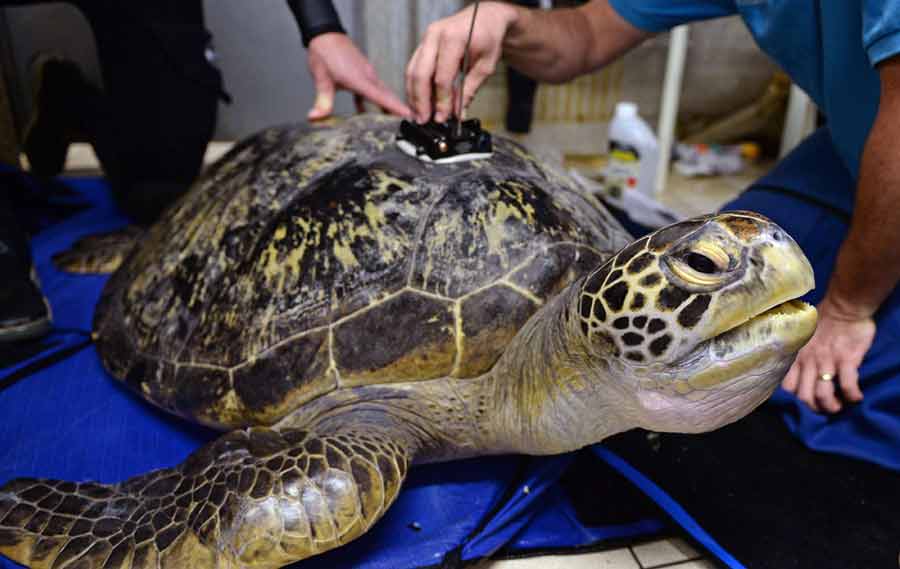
670, 506
810, 194
73, 421
814, 171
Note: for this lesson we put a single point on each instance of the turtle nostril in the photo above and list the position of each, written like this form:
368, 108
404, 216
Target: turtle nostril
701, 263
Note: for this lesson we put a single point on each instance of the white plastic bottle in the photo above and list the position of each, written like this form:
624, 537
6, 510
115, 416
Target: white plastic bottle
633, 153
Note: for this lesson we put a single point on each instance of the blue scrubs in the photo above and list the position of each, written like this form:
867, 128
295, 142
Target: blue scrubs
831, 50
869, 430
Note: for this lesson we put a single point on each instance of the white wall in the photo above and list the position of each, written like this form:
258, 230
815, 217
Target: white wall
264, 63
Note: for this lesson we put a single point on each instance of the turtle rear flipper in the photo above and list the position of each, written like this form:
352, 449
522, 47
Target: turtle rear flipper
254, 498
101, 253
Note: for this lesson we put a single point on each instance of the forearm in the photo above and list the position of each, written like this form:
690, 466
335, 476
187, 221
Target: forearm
558, 45
868, 264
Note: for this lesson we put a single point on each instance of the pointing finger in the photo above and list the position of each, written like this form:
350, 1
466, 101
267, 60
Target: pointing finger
422, 75
448, 66
378, 93
409, 83
324, 103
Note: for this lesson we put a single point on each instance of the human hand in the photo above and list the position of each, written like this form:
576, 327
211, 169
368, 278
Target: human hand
439, 58
836, 349
336, 63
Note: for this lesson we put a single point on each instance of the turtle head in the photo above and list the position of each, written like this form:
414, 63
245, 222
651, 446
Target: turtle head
698, 322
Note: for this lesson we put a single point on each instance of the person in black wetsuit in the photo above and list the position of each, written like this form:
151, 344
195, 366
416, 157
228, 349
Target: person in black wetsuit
151, 122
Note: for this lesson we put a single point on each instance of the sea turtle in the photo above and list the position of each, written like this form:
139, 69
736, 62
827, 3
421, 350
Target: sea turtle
346, 311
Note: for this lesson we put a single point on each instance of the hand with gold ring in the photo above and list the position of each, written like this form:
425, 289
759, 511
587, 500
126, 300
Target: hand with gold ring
835, 351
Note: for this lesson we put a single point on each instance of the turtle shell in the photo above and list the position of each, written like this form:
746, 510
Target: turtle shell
310, 259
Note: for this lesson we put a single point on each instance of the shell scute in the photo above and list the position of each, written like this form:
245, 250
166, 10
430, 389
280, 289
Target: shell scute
405, 338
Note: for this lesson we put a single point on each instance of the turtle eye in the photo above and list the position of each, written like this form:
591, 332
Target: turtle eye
704, 265
701, 263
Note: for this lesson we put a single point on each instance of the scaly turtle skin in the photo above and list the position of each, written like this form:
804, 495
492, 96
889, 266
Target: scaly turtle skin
346, 311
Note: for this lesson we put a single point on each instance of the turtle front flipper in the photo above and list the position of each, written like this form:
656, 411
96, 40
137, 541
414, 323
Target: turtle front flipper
255, 498
102, 253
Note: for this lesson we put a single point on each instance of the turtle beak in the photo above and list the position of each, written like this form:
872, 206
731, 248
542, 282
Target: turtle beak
779, 332
787, 273
763, 321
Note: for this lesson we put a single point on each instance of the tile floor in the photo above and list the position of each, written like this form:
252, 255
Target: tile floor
671, 553
689, 196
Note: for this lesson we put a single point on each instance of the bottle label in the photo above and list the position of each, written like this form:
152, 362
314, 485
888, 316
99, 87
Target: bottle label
623, 168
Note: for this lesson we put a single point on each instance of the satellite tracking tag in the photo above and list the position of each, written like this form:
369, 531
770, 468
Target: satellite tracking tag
445, 143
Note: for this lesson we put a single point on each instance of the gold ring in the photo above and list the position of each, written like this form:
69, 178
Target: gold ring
826, 376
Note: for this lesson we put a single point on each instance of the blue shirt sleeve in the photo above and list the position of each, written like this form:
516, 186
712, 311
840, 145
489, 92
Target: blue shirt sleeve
661, 15
881, 29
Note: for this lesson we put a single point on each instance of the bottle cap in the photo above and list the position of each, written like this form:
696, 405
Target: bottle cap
750, 150
626, 109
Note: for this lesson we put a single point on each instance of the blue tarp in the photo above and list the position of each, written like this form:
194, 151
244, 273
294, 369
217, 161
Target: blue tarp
810, 194
72, 421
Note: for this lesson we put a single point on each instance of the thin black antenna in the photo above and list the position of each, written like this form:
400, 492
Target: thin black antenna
462, 82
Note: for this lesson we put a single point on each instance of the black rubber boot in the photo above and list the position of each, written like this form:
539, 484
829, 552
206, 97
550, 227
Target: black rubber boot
24, 311
60, 94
